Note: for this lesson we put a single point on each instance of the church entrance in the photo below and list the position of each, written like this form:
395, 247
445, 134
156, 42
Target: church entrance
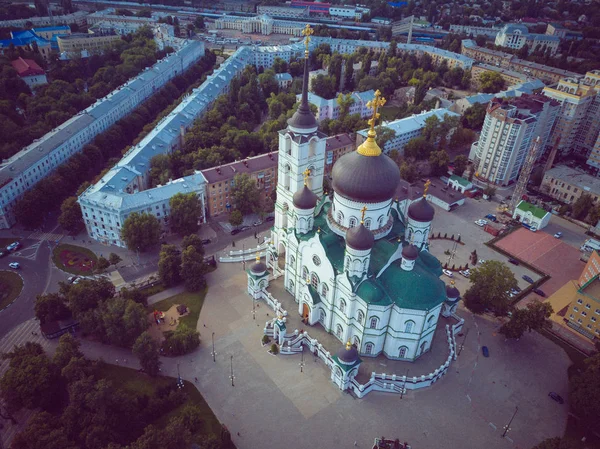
305, 312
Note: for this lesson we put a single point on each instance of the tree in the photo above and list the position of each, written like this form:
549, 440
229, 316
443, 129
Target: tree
169, 264
408, 172
324, 86
268, 83
489, 190
70, 215
438, 161
146, 348
474, 116
236, 218
279, 65
490, 284
186, 213
582, 206
193, 240
140, 231
384, 135
51, 307
114, 259
584, 392
491, 82
192, 269
43, 431
418, 148
245, 194
460, 164
87, 295
182, 341
67, 349
102, 264
345, 102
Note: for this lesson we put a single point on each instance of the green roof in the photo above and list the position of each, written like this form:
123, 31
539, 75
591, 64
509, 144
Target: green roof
462, 181
315, 296
420, 289
537, 212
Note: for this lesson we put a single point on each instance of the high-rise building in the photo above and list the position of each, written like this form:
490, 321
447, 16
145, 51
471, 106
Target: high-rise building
507, 134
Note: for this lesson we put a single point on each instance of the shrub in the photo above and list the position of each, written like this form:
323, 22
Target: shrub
265, 339
274, 349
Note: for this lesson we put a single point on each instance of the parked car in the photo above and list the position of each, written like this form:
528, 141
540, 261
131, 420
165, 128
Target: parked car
206, 241
481, 222
257, 223
558, 235
72, 279
14, 265
533, 229
270, 219
13, 246
539, 292
485, 351
514, 261
517, 289
236, 231
527, 279
491, 217
448, 273
244, 228
556, 397
465, 273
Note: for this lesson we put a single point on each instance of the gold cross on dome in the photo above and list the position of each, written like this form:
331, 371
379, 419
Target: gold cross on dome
307, 31
427, 184
363, 211
375, 104
306, 174
258, 257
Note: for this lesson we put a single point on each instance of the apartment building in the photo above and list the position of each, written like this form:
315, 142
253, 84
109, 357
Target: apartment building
221, 179
470, 30
578, 123
331, 110
33, 163
567, 184
516, 36
125, 188
283, 11
27, 40
110, 16
510, 77
406, 129
262, 24
91, 42
78, 17
336, 147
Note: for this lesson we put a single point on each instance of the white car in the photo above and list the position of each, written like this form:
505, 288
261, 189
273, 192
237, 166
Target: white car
14, 265
481, 261
13, 246
480, 223
558, 235
533, 229
448, 273
465, 273
257, 223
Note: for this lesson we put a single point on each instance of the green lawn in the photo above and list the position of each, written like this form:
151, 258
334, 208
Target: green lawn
141, 384
193, 301
11, 285
80, 253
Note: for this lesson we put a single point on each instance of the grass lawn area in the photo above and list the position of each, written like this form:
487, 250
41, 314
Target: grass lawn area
11, 285
389, 112
74, 259
141, 384
193, 301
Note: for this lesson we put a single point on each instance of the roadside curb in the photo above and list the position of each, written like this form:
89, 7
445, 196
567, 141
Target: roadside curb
19, 295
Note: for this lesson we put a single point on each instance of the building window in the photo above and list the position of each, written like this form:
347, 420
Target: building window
342, 306
373, 324
402, 352
305, 273
338, 331
316, 260
587, 306
352, 222
322, 316
408, 326
369, 348
576, 309
324, 290
361, 316
583, 313
579, 301
314, 281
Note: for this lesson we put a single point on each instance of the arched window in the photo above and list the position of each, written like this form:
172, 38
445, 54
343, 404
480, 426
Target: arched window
322, 316
356, 342
373, 323
423, 347
361, 316
324, 290
291, 286
342, 306
368, 223
340, 218
380, 222
338, 331
288, 145
408, 326
312, 147
402, 352
314, 281
369, 348
304, 273
286, 177
352, 222
430, 321
292, 260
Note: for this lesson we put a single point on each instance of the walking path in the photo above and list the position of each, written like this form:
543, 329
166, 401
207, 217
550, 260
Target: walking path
166, 294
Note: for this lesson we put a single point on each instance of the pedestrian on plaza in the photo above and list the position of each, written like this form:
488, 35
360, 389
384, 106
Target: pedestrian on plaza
196, 379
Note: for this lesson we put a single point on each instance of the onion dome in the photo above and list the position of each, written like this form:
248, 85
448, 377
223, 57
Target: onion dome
348, 355
258, 267
452, 292
305, 198
410, 252
360, 238
421, 211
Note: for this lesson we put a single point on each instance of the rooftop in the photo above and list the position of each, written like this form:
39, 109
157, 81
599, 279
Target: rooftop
526, 207
585, 182
249, 165
338, 141
54, 28
27, 67
414, 122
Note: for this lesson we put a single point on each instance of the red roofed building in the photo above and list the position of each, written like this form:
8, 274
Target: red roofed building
30, 71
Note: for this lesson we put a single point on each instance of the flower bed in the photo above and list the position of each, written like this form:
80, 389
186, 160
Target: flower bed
74, 259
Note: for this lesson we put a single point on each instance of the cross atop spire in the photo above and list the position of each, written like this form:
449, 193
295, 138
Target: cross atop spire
307, 32
306, 174
375, 104
427, 184
363, 211
257, 256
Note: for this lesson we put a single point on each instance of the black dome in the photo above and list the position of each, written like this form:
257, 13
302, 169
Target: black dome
305, 198
421, 211
365, 179
348, 354
258, 268
452, 292
410, 252
303, 119
360, 238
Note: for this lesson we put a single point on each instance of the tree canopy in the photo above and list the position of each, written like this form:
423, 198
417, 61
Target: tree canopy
186, 213
244, 194
140, 231
490, 286
491, 82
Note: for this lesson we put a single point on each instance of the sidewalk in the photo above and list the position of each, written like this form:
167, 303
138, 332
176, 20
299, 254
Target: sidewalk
166, 294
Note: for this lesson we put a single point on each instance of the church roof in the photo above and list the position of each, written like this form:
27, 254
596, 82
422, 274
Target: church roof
420, 289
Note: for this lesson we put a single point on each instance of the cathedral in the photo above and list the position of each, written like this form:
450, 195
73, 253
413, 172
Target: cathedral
356, 260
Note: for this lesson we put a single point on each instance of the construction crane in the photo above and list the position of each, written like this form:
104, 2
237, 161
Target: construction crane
552, 155
521, 187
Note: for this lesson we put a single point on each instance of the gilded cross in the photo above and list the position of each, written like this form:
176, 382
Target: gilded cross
306, 174
375, 104
257, 257
363, 211
307, 32
427, 184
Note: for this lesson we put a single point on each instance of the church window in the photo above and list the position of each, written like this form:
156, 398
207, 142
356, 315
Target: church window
423, 347
312, 147
304, 273
314, 281
380, 222
338, 331
352, 222
402, 352
322, 316
342, 306
361, 316
408, 326
369, 348
430, 321
373, 324
340, 218
292, 286
316, 260
324, 290
368, 223
356, 342
292, 260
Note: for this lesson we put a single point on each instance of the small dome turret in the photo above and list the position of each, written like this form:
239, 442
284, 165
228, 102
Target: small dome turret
305, 198
421, 211
258, 268
348, 354
410, 252
360, 238
452, 292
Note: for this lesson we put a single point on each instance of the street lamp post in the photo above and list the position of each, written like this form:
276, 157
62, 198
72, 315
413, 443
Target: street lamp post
507, 427
232, 376
253, 308
213, 353
404, 385
462, 346
302, 359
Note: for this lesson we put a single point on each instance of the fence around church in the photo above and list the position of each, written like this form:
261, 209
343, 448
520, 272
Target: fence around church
389, 383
